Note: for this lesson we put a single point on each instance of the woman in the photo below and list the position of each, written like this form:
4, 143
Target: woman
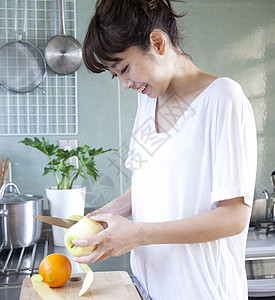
192, 156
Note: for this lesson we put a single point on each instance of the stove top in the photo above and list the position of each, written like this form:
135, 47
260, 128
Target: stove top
260, 260
261, 240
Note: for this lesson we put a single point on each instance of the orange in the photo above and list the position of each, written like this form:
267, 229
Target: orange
55, 269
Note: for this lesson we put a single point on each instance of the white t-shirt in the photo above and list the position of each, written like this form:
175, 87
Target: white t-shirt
209, 155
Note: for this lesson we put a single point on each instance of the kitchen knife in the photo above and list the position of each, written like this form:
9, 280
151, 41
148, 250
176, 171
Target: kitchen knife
65, 223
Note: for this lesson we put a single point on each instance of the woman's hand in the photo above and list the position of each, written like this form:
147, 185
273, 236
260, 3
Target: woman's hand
120, 236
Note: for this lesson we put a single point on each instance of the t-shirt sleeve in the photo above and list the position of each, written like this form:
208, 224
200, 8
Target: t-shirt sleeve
234, 146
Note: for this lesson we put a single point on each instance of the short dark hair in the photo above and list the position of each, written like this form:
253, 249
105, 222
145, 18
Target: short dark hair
118, 25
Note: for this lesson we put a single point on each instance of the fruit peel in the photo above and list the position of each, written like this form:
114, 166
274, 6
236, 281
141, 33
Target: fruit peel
88, 280
43, 289
75, 217
85, 268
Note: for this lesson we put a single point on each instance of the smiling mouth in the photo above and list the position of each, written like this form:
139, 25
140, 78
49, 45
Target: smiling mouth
142, 88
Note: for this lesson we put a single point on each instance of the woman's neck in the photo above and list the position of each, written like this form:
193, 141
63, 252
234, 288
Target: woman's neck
187, 81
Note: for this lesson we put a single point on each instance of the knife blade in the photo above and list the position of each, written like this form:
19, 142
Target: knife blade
65, 223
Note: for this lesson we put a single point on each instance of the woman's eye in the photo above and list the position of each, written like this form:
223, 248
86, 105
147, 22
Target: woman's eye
121, 72
124, 70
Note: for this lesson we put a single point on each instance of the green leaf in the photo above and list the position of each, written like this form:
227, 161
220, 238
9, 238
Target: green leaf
95, 152
59, 163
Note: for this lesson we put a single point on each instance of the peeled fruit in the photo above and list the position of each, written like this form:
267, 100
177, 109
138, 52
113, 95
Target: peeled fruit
75, 218
43, 289
83, 229
55, 269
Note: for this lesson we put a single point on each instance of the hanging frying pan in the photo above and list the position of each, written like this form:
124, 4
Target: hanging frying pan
63, 53
22, 65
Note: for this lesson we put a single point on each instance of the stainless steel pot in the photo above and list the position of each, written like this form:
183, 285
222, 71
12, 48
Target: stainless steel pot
18, 227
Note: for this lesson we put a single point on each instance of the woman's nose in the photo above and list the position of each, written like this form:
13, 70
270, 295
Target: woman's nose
126, 84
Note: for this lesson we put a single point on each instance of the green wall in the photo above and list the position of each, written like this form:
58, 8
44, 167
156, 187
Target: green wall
226, 38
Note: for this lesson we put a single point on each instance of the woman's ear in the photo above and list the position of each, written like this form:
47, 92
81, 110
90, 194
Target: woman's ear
158, 42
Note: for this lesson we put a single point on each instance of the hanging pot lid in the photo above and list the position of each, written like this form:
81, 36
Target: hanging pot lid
10, 198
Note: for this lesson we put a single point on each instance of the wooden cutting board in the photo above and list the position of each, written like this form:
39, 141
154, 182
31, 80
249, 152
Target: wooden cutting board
115, 285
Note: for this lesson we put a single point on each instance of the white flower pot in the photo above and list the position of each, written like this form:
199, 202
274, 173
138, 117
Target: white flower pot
64, 203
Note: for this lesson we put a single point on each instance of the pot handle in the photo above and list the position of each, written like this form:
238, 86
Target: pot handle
4, 212
3, 188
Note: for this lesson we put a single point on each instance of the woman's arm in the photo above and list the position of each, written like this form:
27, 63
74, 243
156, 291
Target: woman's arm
229, 218
122, 235
120, 206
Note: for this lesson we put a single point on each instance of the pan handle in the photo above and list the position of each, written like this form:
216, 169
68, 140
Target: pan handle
62, 30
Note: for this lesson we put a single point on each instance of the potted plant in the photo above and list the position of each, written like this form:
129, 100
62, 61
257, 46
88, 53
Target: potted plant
65, 198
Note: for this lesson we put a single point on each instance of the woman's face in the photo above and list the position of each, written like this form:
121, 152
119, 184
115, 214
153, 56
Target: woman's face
144, 72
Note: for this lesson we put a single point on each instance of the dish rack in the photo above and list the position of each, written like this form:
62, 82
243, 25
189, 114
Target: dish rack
17, 264
52, 108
